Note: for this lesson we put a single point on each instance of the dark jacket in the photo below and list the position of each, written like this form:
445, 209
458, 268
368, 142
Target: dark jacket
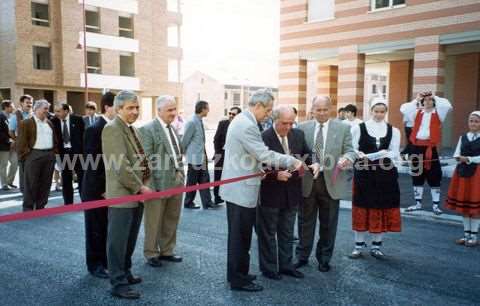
220, 136
28, 137
94, 177
77, 129
277, 194
4, 133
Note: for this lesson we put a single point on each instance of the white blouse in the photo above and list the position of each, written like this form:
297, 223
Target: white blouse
378, 130
409, 111
472, 159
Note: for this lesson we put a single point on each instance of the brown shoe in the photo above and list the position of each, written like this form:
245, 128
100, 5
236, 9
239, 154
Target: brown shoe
461, 241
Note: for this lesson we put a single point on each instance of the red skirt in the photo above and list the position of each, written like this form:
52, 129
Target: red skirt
464, 194
376, 220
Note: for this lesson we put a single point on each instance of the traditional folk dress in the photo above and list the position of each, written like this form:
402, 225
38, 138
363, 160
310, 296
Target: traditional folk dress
464, 191
376, 193
424, 139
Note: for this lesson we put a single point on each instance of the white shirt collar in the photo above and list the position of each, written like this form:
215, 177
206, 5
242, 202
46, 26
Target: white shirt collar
162, 123
38, 120
106, 118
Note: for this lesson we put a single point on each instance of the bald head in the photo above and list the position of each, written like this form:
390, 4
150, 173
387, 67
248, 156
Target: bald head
284, 118
321, 108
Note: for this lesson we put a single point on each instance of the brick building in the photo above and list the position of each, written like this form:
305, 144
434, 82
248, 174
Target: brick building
131, 44
424, 45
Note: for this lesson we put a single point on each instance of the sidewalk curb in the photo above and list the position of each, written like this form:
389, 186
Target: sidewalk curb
419, 215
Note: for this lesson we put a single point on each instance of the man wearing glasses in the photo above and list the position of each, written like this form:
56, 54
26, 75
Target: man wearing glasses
219, 143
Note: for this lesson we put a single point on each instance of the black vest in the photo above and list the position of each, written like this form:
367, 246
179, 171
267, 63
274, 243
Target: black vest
468, 148
376, 182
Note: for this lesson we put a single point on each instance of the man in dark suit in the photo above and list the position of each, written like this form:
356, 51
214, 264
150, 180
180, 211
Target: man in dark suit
7, 152
219, 143
280, 196
69, 129
90, 114
96, 220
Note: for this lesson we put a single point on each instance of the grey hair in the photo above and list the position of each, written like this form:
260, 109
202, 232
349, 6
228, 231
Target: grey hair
40, 104
263, 96
123, 97
283, 109
164, 100
319, 98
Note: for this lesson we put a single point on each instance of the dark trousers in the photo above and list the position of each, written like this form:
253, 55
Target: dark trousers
198, 174
123, 227
217, 176
96, 226
38, 166
21, 175
408, 132
275, 238
240, 225
320, 204
67, 178
420, 174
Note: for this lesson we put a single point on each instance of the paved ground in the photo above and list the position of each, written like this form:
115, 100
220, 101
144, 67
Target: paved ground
42, 263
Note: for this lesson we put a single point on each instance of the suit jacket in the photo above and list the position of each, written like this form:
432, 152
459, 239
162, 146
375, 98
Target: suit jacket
157, 148
338, 144
77, 129
94, 177
27, 138
86, 120
278, 194
220, 136
4, 133
122, 158
244, 154
193, 142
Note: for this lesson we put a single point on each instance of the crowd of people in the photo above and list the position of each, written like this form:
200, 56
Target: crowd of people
305, 170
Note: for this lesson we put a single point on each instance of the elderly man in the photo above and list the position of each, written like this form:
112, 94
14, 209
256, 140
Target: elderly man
90, 114
330, 142
25, 112
193, 143
128, 176
37, 146
244, 154
162, 147
280, 196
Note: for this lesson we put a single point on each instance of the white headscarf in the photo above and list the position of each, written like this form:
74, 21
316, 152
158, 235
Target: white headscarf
476, 113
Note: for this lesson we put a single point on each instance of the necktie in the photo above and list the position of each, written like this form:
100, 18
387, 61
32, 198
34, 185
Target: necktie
91, 120
144, 163
285, 146
175, 146
65, 133
319, 145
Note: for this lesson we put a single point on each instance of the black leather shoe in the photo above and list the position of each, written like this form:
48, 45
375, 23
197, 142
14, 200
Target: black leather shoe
251, 277
125, 292
293, 273
99, 272
272, 275
219, 201
172, 258
154, 262
133, 280
211, 205
13, 186
191, 206
249, 288
301, 263
325, 267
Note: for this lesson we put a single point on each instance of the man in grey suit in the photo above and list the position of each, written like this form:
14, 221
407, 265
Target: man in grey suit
193, 143
162, 147
330, 142
245, 153
129, 175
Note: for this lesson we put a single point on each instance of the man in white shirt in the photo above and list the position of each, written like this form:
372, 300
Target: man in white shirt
37, 146
351, 115
162, 146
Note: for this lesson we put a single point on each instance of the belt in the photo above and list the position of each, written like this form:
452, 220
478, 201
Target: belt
43, 150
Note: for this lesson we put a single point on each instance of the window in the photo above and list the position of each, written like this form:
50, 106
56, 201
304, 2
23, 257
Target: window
236, 99
173, 71
127, 64
94, 61
374, 89
125, 26
383, 4
173, 36
92, 17
42, 58
319, 10
384, 89
172, 5
40, 14
226, 95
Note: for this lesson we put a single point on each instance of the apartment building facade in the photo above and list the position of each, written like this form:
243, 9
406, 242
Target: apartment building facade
131, 44
425, 45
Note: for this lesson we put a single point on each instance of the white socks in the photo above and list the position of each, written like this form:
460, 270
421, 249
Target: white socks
418, 194
360, 240
435, 196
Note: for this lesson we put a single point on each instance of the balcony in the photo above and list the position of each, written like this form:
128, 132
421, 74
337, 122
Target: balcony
129, 6
101, 81
101, 41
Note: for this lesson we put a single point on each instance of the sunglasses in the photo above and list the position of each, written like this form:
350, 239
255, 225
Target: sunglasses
232, 114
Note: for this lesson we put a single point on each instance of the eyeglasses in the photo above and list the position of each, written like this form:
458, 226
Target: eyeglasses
232, 114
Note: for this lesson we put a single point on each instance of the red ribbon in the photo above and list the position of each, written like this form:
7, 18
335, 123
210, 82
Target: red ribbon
47, 212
